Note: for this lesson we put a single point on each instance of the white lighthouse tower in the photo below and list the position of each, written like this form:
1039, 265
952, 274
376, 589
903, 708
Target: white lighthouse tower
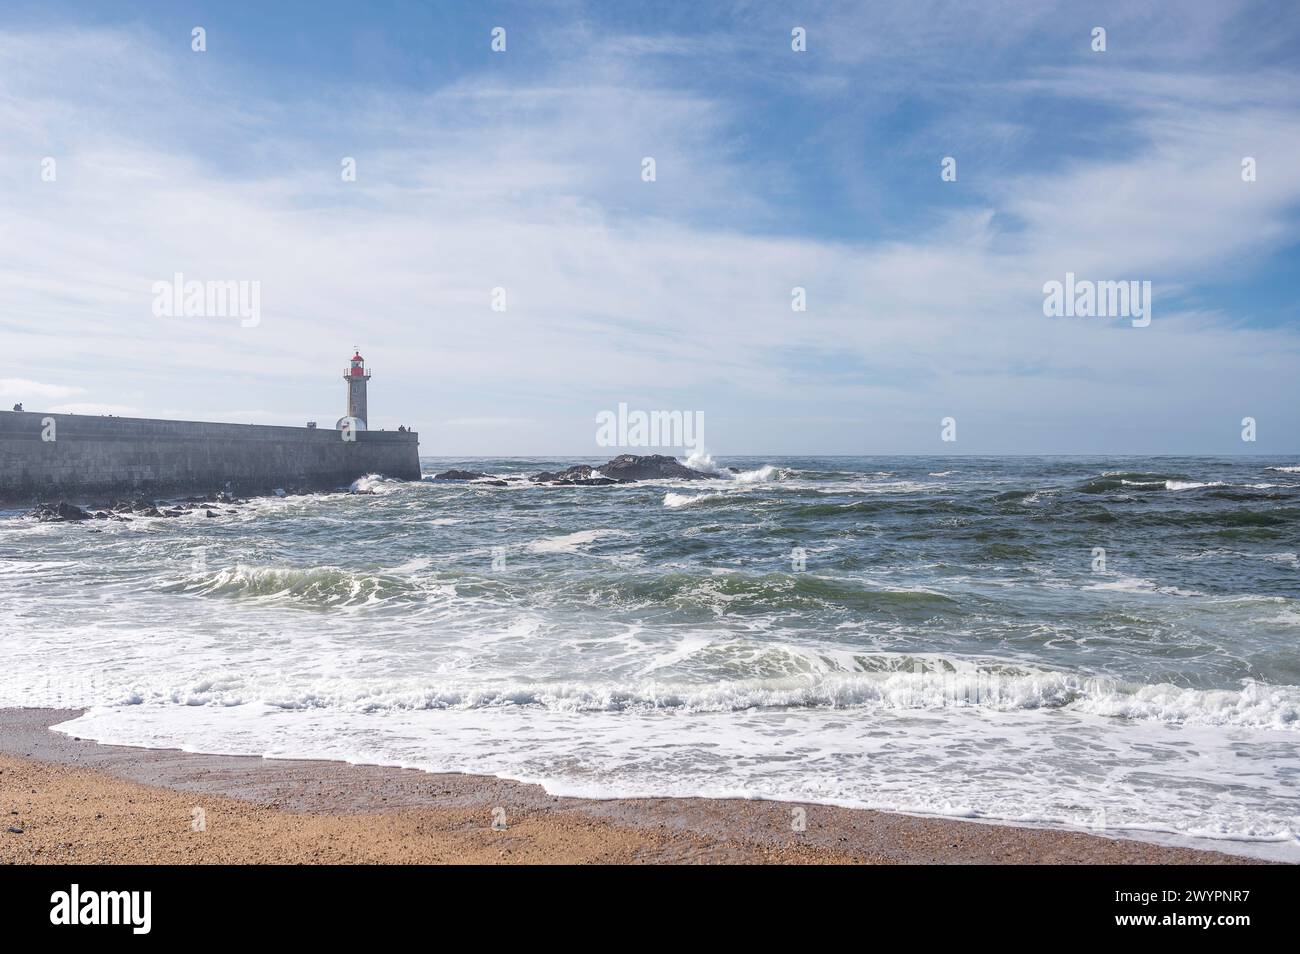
357, 377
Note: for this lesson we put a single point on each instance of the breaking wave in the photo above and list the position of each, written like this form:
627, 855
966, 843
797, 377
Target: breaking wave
705, 464
318, 586
675, 501
867, 683
375, 484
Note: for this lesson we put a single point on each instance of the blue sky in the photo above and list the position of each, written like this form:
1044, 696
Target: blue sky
775, 169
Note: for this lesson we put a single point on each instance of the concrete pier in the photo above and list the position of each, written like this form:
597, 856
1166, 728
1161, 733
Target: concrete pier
102, 457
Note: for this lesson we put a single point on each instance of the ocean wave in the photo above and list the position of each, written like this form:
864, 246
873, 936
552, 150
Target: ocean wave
674, 501
1145, 482
375, 484
838, 509
316, 586
1134, 584
705, 464
884, 682
1113, 480
747, 594
1254, 706
573, 542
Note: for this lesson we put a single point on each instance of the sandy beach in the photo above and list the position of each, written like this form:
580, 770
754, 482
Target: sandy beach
71, 801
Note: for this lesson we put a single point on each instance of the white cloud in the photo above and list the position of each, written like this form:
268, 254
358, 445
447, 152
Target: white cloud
92, 407
657, 294
30, 391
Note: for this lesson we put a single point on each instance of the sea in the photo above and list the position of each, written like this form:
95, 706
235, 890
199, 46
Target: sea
1087, 643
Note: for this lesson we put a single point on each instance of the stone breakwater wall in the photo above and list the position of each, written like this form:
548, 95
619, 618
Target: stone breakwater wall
92, 457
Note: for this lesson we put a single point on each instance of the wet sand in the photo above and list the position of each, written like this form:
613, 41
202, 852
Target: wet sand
72, 801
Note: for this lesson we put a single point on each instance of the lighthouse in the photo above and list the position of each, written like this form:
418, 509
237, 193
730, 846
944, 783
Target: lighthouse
356, 377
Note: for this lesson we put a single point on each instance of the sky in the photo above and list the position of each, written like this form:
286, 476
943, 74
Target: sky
774, 169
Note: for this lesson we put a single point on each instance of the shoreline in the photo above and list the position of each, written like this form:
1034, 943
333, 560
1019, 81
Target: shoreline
77, 801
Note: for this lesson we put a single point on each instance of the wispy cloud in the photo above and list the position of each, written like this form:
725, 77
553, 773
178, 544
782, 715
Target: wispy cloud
674, 293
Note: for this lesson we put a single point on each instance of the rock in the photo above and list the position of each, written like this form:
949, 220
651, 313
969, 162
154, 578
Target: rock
568, 477
15, 830
627, 467
173, 513
584, 481
459, 475
210, 514
49, 512
624, 469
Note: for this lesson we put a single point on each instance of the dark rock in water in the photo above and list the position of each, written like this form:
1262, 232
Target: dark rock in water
623, 469
627, 467
173, 513
585, 481
570, 477
49, 512
459, 475
210, 514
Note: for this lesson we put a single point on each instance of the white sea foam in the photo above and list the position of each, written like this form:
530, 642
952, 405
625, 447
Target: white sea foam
760, 475
795, 754
1254, 706
676, 501
1134, 584
573, 542
829, 680
374, 484
705, 464
702, 461
321, 586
